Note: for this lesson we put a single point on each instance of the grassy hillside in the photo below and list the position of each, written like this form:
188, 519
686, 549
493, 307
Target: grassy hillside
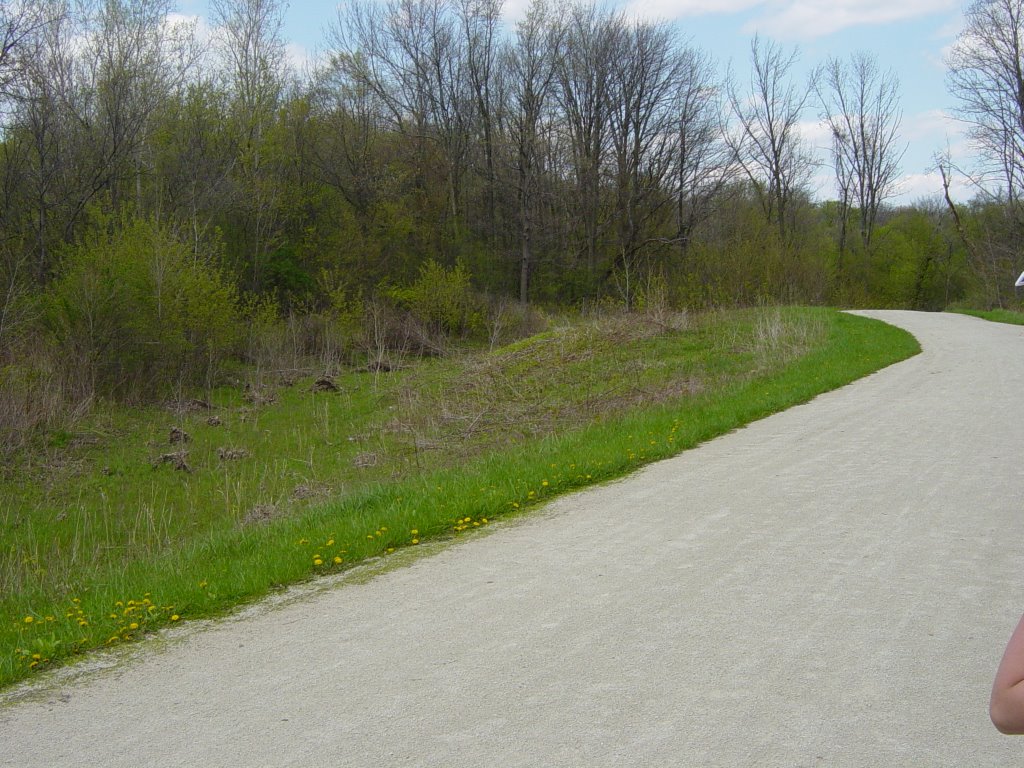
145, 517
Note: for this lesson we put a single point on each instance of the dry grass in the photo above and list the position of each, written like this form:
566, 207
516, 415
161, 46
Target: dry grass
560, 380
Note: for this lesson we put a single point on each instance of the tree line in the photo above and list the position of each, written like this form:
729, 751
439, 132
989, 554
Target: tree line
580, 156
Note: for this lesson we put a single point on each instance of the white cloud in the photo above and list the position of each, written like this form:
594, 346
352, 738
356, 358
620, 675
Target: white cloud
513, 10
808, 19
951, 29
791, 19
915, 186
180, 22
298, 57
931, 124
677, 9
823, 183
816, 133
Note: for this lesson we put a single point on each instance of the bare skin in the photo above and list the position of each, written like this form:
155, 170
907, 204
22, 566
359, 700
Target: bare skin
1006, 707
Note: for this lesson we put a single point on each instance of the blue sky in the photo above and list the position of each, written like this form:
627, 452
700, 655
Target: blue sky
909, 37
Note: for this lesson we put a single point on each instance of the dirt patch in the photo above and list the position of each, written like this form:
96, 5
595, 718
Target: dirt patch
325, 384
261, 514
177, 459
232, 454
310, 490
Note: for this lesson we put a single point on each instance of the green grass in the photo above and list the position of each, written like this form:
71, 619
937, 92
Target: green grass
995, 315
100, 542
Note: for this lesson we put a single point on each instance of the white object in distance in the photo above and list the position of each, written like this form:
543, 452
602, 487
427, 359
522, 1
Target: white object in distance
1020, 281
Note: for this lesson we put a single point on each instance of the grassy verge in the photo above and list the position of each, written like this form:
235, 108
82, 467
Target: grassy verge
995, 315
103, 541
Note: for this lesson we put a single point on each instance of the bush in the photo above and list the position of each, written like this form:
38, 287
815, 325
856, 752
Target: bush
442, 300
135, 312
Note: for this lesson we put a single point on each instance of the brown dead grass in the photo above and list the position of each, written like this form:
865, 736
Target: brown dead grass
556, 381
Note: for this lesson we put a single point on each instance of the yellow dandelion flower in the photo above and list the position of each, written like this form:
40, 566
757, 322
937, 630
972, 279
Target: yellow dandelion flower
50, 618
37, 656
119, 604
330, 543
133, 625
112, 616
484, 520
415, 541
337, 560
202, 584
544, 483
75, 600
175, 617
33, 664
414, 532
29, 619
83, 623
318, 561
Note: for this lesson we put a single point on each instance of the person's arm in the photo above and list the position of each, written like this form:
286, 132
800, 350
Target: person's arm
1006, 707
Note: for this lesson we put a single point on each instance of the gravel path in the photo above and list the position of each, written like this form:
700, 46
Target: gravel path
830, 586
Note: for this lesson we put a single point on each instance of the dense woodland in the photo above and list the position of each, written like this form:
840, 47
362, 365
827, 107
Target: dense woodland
173, 203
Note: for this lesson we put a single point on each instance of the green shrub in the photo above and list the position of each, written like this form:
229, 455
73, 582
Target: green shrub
443, 300
134, 312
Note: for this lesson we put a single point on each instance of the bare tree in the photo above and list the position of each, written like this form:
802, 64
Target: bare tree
767, 138
704, 163
19, 20
348, 152
986, 75
410, 54
250, 43
132, 64
590, 45
46, 99
860, 104
643, 85
480, 21
989, 236
530, 63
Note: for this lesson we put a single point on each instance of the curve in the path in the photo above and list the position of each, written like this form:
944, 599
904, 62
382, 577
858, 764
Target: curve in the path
831, 586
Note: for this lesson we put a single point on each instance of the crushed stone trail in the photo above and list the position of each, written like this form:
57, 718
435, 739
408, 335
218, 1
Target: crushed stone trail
832, 585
